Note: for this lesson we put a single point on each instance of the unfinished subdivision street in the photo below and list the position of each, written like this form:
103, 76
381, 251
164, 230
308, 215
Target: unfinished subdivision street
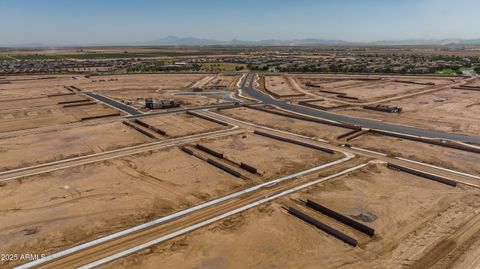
238, 171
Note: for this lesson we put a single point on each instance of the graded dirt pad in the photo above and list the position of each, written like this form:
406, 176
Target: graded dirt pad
36, 148
137, 97
381, 89
34, 86
270, 156
475, 83
447, 110
369, 90
222, 82
410, 216
302, 127
50, 212
181, 124
138, 81
24, 104
280, 86
329, 83
432, 154
20, 120
323, 104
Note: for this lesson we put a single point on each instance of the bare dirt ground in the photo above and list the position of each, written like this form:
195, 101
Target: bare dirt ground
380, 90
20, 120
436, 155
138, 96
182, 124
33, 86
25, 104
279, 86
475, 83
54, 211
270, 156
222, 82
410, 223
369, 90
448, 110
307, 128
138, 81
21, 151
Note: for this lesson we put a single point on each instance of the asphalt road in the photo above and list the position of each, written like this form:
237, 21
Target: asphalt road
118, 105
247, 87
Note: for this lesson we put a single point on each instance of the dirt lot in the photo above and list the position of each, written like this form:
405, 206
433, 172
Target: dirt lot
25, 104
33, 86
137, 97
138, 81
380, 90
307, 128
410, 223
182, 124
325, 104
279, 86
447, 110
436, 155
53, 211
54, 145
369, 90
222, 82
20, 120
270, 156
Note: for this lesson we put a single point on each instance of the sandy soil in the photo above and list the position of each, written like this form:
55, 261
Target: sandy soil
20, 120
332, 83
222, 81
182, 124
49, 146
270, 156
326, 103
441, 156
279, 85
45, 213
138, 97
25, 104
379, 90
34, 86
307, 128
279, 240
447, 110
138, 81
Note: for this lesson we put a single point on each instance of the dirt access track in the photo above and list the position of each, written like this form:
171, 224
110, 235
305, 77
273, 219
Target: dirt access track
411, 226
63, 208
361, 89
15, 120
80, 140
281, 87
449, 110
186, 96
271, 120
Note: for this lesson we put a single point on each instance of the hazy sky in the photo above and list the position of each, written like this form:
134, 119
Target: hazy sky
103, 21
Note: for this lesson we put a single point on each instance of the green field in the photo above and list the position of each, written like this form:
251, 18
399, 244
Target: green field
222, 67
446, 72
36, 57
3, 58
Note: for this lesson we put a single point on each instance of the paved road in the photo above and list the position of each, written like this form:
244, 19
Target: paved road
118, 105
247, 87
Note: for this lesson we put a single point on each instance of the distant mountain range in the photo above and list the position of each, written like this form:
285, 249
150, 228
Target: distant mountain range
193, 41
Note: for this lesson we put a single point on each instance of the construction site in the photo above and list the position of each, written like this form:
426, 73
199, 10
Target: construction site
239, 170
